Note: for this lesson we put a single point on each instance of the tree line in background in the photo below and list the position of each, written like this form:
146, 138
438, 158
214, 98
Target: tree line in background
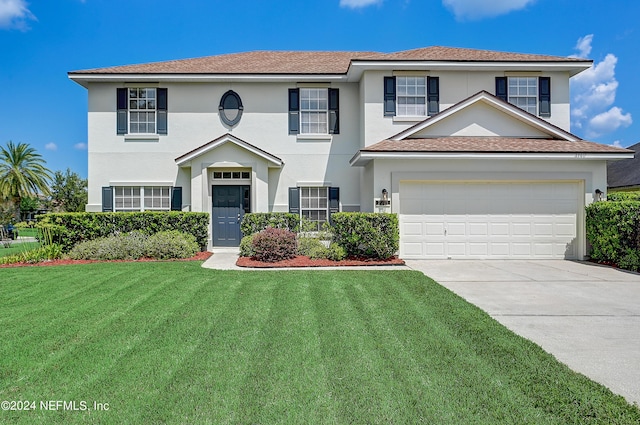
28, 187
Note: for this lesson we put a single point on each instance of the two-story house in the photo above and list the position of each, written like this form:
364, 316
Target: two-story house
471, 148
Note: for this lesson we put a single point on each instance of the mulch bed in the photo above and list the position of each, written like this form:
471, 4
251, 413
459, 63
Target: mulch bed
201, 256
303, 261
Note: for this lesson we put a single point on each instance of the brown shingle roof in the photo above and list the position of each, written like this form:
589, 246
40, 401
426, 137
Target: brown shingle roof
491, 145
626, 172
307, 62
439, 53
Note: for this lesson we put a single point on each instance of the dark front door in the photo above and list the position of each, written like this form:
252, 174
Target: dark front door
229, 206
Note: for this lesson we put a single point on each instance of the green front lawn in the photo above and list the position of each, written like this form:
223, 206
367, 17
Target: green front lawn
171, 342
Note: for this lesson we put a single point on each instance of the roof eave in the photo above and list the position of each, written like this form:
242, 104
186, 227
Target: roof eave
85, 78
363, 157
358, 66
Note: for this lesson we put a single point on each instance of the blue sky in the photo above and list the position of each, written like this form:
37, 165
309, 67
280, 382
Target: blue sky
41, 40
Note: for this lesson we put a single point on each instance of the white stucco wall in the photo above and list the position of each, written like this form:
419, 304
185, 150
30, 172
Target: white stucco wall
455, 86
193, 120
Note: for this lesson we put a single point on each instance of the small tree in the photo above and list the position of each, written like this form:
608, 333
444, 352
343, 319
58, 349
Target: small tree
68, 192
22, 173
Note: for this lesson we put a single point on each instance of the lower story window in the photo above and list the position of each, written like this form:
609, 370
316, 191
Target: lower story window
314, 205
141, 198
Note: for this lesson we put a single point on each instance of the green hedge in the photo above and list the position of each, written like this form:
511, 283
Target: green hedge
257, 222
623, 196
72, 228
366, 234
613, 232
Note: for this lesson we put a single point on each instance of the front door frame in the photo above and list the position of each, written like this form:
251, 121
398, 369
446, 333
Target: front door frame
229, 203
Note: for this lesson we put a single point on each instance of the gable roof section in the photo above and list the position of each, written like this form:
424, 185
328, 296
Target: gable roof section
559, 145
498, 104
318, 62
625, 173
229, 138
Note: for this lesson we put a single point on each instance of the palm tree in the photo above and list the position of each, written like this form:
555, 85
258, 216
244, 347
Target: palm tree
22, 173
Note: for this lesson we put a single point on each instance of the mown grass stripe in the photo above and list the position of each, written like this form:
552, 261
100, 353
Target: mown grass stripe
175, 343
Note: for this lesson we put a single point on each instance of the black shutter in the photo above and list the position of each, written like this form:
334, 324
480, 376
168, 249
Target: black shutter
294, 200
294, 111
162, 111
334, 200
107, 199
176, 199
389, 96
501, 88
544, 96
334, 119
433, 95
121, 105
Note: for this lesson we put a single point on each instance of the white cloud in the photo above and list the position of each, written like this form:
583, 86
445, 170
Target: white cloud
583, 46
617, 144
594, 93
608, 121
357, 4
80, 146
15, 14
51, 146
470, 10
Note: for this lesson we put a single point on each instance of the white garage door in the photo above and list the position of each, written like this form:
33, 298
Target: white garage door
489, 220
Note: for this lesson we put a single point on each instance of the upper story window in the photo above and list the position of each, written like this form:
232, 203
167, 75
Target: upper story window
142, 110
314, 111
532, 94
411, 96
230, 108
523, 92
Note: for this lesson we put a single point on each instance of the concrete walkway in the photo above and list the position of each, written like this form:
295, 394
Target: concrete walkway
587, 316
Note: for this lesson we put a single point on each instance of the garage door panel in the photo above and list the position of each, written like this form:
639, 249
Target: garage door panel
478, 249
479, 229
434, 249
489, 220
412, 228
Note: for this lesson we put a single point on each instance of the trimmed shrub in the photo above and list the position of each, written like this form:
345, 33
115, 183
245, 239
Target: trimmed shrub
72, 228
271, 245
373, 235
125, 246
613, 230
311, 247
335, 252
257, 222
136, 245
246, 246
171, 244
623, 196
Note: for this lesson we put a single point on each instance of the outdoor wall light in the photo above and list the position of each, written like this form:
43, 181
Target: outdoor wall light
599, 195
385, 196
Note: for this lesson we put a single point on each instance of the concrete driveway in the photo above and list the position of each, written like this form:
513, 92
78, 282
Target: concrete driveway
587, 316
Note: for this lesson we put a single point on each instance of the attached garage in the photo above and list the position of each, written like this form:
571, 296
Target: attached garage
490, 219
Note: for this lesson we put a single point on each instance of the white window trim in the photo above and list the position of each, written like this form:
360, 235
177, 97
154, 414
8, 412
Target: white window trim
534, 96
301, 133
325, 209
141, 197
410, 117
130, 111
